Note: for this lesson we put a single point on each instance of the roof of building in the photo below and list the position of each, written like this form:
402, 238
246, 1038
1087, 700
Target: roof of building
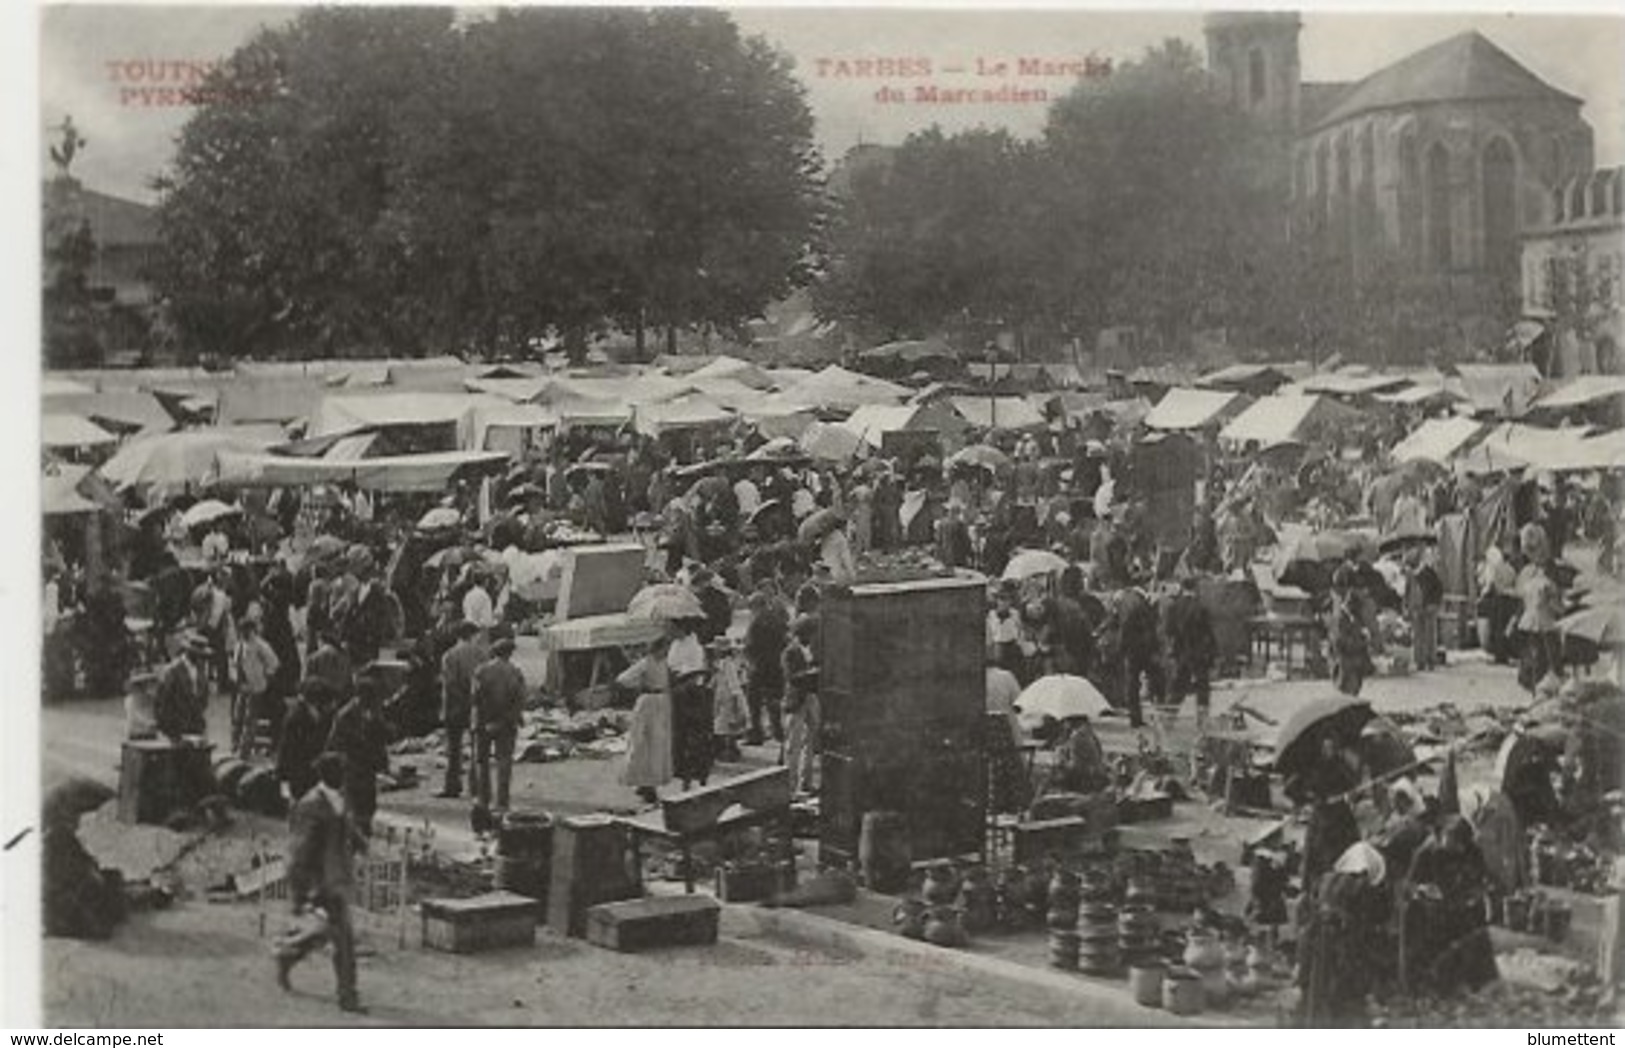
114, 221
1467, 67
1315, 100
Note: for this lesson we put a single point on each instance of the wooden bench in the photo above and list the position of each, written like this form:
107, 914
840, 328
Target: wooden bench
758, 798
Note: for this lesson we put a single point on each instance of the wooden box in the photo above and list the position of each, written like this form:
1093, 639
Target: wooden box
1033, 841
495, 921
598, 580
641, 924
158, 777
589, 867
753, 883
767, 789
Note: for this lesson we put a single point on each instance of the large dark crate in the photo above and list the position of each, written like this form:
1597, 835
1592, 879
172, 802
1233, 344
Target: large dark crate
589, 867
642, 924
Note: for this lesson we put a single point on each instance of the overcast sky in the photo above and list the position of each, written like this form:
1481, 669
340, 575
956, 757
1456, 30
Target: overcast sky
130, 142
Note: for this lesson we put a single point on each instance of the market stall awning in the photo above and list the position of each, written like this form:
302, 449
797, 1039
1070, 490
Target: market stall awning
839, 389
1503, 390
1513, 445
73, 431
872, 422
431, 472
1582, 391
1437, 440
689, 411
1182, 408
1242, 378
173, 461
340, 414
998, 413
828, 442
735, 370
1275, 419
59, 491
1352, 383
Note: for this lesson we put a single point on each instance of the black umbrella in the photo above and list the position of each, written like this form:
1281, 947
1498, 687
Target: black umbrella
1297, 744
66, 802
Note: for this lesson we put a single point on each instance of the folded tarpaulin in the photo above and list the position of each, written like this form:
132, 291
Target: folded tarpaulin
1184, 408
1437, 440
431, 472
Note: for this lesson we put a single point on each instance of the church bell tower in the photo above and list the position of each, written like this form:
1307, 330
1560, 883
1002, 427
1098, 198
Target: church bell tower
1254, 57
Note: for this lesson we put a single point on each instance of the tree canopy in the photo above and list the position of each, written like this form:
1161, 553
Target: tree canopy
401, 181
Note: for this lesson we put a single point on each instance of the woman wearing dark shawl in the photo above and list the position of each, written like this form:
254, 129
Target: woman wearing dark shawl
1341, 925
1444, 946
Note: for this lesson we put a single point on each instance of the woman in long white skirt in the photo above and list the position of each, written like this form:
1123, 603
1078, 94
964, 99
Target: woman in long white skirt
648, 742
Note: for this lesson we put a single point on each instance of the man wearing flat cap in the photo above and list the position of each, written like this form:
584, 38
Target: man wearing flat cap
183, 689
498, 700
360, 737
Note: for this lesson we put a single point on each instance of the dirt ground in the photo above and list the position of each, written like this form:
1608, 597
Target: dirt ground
207, 964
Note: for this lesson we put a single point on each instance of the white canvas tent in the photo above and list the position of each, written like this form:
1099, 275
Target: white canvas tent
1278, 419
431, 472
1437, 440
999, 412
64, 431
1182, 408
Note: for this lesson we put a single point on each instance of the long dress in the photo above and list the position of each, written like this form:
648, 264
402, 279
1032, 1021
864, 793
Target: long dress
1444, 945
648, 741
1334, 950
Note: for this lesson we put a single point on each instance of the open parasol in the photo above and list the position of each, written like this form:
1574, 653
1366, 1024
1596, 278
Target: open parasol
1306, 558
1028, 563
1603, 626
665, 602
766, 509
1405, 539
820, 523
72, 798
1297, 743
980, 456
777, 449
1061, 695
439, 519
207, 512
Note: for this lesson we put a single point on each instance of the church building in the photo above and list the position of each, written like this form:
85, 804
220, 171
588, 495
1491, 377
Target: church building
1436, 164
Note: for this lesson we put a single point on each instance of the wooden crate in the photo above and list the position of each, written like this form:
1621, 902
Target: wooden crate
496, 921
753, 883
641, 924
589, 867
158, 778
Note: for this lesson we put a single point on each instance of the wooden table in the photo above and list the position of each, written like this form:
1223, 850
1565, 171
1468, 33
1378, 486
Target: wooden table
596, 637
758, 798
1269, 633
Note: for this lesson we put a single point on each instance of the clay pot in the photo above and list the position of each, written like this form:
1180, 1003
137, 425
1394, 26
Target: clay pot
909, 917
1145, 982
1063, 950
941, 884
943, 927
978, 899
1182, 991
1063, 889
1515, 912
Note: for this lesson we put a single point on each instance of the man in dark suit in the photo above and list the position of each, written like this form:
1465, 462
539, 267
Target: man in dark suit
321, 874
183, 689
457, 668
305, 729
498, 695
359, 735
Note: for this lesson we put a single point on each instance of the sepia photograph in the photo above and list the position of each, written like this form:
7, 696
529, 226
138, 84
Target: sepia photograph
767, 516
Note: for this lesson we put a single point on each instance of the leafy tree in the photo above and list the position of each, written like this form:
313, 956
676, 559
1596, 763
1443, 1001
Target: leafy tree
1170, 198
71, 323
945, 235
410, 184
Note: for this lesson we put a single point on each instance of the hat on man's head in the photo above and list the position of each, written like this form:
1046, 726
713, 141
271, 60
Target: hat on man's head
701, 577
466, 628
195, 642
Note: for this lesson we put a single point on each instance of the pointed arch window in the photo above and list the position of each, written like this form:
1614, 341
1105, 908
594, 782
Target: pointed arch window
1438, 207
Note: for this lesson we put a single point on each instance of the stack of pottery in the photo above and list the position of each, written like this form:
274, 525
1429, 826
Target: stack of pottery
1063, 950
1139, 935
909, 917
1063, 901
979, 901
944, 926
1097, 932
1096, 885
1204, 954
